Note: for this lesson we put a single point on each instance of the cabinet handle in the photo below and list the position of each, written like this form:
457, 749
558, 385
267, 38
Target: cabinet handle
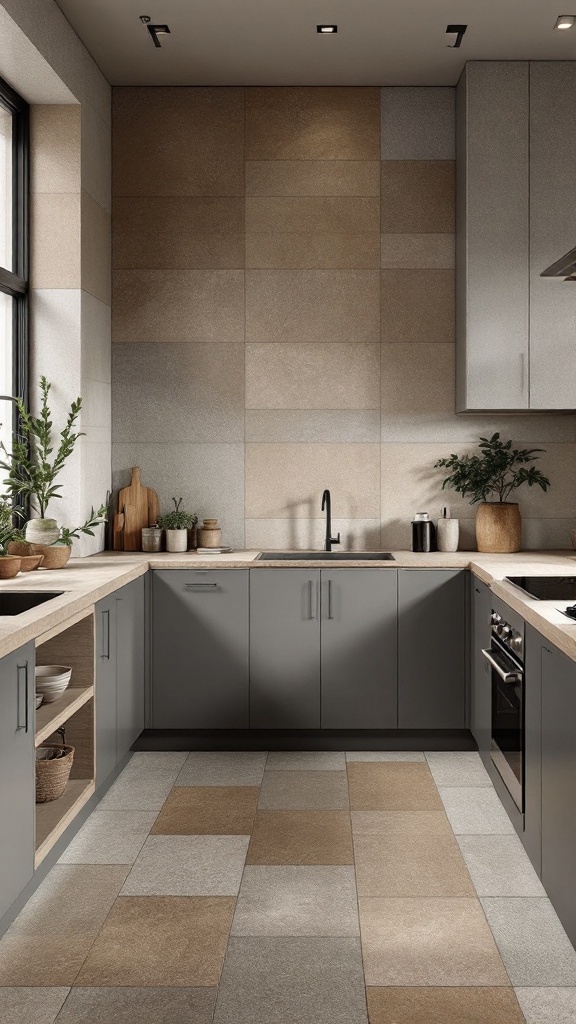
523, 372
105, 635
201, 586
330, 609
22, 685
313, 600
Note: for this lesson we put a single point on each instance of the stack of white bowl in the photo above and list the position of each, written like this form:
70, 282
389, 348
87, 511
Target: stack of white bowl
51, 681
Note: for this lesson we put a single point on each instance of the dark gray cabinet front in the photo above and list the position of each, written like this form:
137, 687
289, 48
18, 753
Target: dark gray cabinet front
481, 688
358, 649
432, 649
129, 665
200, 649
559, 784
105, 695
285, 649
16, 773
532, 834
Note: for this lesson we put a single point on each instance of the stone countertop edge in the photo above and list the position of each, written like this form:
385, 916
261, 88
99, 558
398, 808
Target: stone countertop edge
85, 581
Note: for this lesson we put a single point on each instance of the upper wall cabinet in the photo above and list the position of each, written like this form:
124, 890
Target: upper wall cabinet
515, 330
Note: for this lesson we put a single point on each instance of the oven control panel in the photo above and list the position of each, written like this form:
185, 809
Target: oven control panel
507, 635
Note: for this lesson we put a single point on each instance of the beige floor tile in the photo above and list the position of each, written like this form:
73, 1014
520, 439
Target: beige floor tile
301, 837
73, 899
169, 941
42, 961
392, 787
31, 1005
428, 942
304, 791
400, 823
443, 1006
414, 865
208, 810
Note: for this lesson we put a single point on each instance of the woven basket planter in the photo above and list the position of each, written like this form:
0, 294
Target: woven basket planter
52, 775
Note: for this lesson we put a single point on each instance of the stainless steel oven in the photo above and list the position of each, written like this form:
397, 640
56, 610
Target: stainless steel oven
506, 659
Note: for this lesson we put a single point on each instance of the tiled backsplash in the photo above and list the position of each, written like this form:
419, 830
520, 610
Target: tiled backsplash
283, 313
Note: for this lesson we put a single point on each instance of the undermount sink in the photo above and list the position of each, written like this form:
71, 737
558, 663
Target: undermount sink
325, 556
15, 602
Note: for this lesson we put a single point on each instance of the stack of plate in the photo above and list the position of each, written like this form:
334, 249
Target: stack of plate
51, 681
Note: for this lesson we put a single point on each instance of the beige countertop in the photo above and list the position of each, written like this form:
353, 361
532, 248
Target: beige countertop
85, 581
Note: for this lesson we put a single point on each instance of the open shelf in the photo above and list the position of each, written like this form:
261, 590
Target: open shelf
49, 717
54, 817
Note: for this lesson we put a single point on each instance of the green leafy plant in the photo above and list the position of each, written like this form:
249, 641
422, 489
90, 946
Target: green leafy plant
95, 519
498, 470
177, 519
31, 471
8, 529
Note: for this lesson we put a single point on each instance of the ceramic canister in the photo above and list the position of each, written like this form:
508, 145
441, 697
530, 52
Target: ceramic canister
210, 534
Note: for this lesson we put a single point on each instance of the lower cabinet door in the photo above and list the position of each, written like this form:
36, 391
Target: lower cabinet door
200, 649
17, 807
285, 649
106, 690
359, 649
130, 665
481, 682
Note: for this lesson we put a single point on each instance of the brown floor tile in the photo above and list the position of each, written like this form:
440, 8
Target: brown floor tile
418, 865
301, 837
43, 961
443, 1006
392, 787
208, 811
400, 823
438, 942
161, 941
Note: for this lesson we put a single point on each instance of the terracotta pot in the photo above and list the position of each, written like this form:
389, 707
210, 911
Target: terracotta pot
30, 562
55, 556
19, 547
498, 526
9, 566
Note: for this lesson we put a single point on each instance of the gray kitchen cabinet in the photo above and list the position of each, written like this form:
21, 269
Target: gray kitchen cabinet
285, 649
559, 784
432, 660
532, 834
200, 649
16, 773
359, 681
481, 679
129, 665
105, 689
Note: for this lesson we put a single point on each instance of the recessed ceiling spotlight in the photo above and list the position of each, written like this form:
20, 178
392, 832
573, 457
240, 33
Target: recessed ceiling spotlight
565, 21
458, 32
327, 29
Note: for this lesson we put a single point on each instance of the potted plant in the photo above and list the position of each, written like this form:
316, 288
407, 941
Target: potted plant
177, 523
9, 565
489, 479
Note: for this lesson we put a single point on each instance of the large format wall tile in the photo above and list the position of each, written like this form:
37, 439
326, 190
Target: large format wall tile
417, 307
418, 124
346, 425
313, 214
285, 481
55, 240
312, 377
312, 124
178, 393
96, 327
304, 250
178, 142
302, 534
55, 148
96, 157
418, 196
181, 232
417, 252
411, 484
178, 306
96, 249
312, 306
313, 178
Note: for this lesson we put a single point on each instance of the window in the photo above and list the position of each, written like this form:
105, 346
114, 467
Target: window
13, 254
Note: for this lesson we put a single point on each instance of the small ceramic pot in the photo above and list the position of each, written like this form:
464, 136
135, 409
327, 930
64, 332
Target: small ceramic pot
19, 547
42, 531
209, 534
55, 556
176, 540
30, 562
9, 566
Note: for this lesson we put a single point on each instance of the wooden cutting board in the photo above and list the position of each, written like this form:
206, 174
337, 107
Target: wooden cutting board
139, 506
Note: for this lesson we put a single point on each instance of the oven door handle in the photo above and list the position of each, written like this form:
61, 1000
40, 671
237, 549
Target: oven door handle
508, 677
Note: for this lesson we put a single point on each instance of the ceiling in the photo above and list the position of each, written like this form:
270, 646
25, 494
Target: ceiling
274, 42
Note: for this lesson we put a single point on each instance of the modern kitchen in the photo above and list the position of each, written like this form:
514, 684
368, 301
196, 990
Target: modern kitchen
287, 513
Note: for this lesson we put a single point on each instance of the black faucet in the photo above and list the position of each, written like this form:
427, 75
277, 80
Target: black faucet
327, 504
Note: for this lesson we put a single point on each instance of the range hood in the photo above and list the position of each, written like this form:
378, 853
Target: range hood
565, 267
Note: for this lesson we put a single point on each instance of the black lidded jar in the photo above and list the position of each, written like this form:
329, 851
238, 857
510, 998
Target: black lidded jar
423, 533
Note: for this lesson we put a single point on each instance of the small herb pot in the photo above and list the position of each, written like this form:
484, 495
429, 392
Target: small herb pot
176, 540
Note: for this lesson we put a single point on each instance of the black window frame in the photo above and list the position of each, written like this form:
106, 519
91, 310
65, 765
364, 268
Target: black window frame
16, 282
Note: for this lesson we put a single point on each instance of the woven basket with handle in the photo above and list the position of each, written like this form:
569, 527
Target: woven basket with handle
53, 773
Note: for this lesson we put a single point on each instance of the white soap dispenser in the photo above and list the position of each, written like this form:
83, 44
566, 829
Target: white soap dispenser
447, 532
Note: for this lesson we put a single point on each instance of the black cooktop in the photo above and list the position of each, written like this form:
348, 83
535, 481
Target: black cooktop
547, 588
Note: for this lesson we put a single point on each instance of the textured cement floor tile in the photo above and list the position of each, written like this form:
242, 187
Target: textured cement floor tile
458, 1005
423, 865
428, 942
208, 810
160, 941
138, 793
31, 1005
301, 837
532, 942
400, 823
457, 768
223, 768
73, 899
499, 866
548, 1005
42, 961
110, 837
297, 901
156, 760
304, 790
139, 1006
292, 981
385, 755
306, 760
392, 787
475, 810
188, 866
